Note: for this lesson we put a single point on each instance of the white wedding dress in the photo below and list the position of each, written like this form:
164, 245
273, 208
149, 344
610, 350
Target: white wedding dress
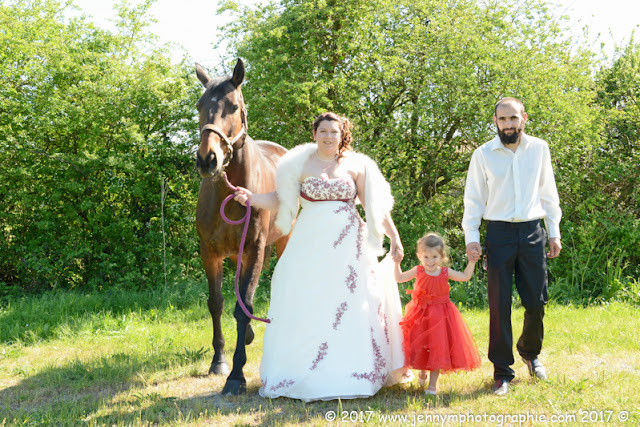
334, 311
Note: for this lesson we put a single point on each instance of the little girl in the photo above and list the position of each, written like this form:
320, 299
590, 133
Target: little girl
436, 338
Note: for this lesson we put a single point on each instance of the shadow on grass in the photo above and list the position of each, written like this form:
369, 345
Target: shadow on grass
255, 410
78, 389
112, 390
600, 369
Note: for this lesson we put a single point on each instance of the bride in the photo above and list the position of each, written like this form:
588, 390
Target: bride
334, 310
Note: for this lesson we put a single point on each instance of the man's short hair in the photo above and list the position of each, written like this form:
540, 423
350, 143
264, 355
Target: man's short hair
506, 101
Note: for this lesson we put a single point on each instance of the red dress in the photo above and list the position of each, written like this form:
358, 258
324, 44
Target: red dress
435, 334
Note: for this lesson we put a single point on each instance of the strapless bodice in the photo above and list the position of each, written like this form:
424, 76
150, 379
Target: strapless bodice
331, 189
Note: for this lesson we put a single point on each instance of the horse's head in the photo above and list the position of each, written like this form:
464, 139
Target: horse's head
223, 120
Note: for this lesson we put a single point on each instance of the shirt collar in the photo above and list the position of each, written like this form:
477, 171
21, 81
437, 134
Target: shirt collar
496, 144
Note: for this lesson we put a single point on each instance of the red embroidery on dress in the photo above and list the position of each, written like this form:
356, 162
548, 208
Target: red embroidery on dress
351, 279
379, 363
383, 319
322, 352
359, 237
353, 219
372, 277
341, 310
281, 384
328, 189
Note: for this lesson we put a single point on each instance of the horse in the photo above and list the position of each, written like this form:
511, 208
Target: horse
225, 147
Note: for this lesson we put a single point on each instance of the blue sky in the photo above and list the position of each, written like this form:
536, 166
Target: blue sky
192, 23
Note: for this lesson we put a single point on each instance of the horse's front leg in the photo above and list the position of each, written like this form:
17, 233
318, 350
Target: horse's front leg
249, 277
213, 269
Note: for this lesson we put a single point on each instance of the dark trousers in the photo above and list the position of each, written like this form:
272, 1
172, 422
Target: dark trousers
515, 249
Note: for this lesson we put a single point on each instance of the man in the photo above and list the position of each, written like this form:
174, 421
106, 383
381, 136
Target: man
511, 185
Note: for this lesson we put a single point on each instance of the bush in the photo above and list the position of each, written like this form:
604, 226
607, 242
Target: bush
89, 128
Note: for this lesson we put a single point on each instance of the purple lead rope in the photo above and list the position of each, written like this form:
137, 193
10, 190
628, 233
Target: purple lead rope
245, 219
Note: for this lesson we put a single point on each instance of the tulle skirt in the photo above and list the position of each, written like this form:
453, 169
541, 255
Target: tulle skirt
437, 337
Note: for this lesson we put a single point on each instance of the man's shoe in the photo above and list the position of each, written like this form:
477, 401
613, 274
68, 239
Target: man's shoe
536, 369
501, 387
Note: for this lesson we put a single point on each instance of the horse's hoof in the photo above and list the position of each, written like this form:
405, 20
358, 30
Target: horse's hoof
234, 388
220, 368
249, 335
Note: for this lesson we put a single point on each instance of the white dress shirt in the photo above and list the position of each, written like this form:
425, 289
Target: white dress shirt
513, 187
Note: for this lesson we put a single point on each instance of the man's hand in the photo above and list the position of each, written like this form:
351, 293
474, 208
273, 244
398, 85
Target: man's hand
554, 247
474, 251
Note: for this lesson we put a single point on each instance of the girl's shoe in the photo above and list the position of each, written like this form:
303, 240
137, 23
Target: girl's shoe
430, 392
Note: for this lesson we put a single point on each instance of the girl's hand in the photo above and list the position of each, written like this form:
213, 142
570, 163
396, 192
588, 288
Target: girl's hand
397, 251
242, 195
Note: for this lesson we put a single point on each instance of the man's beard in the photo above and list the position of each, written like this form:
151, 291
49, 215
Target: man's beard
512, 138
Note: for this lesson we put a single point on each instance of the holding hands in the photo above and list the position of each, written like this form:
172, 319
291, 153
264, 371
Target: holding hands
397, 251
474, 251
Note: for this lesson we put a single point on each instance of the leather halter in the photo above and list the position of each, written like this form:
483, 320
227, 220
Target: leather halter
229, 142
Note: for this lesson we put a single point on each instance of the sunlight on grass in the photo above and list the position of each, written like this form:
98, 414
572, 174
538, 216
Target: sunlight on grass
143, 359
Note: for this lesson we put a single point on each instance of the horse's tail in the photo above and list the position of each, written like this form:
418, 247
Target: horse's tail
267, 256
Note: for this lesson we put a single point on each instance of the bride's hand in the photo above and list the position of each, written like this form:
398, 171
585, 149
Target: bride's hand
397, 251
242, 195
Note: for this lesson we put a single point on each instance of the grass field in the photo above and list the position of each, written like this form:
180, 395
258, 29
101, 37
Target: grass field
141, 358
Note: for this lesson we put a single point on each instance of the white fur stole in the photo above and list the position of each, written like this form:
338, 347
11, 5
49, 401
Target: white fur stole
379, 200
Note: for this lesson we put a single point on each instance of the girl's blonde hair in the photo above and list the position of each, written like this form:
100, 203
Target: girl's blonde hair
434, 241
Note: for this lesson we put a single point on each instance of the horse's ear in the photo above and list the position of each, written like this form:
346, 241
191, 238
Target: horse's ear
202, 75
238, 73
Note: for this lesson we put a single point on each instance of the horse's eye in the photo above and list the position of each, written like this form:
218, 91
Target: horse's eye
234, 108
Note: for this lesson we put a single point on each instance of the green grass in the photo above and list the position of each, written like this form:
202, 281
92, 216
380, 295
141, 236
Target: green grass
140, 358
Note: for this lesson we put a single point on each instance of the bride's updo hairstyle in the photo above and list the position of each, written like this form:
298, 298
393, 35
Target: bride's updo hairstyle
345, 130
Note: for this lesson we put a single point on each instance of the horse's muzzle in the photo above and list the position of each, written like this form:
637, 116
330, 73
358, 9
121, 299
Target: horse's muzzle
207, 166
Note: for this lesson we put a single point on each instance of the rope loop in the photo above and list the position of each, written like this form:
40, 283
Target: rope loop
245, 219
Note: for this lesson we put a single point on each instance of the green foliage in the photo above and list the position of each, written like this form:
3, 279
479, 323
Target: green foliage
419, 80
601, 225
619, 157
91, 122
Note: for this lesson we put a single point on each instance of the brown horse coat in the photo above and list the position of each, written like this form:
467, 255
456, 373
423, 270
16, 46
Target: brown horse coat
226, 147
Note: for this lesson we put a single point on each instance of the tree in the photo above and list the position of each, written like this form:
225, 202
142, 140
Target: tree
419, 79
90, 123
606, 215
619, 95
